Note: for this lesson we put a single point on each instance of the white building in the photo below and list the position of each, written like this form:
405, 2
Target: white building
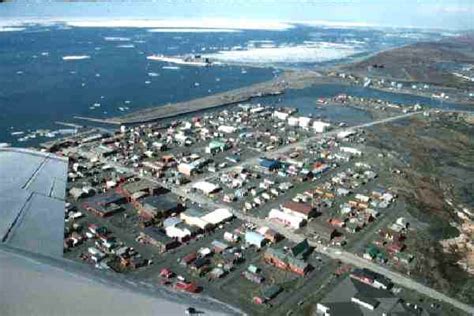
206, 187
285, 218
320, 126
344, 134
226, 129
176, 231
186, 168
281, 115
304, 121
205, 220
181, 137
293, 121
351, 150
362, 198
218, 216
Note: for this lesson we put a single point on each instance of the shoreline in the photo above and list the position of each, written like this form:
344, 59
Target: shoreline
276, 86
289, 79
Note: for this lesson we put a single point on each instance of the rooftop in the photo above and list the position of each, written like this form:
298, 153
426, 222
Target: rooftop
339, 300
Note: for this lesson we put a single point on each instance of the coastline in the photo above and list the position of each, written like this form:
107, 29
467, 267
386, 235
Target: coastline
276, 86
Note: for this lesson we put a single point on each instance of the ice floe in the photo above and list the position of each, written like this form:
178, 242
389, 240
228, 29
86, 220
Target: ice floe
116, 39
170, 67
338, 24
126, 46
192, 30
11, 29
306, 53
208, 23
76, 57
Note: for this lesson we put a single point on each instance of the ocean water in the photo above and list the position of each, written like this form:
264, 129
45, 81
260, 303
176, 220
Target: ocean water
38, 87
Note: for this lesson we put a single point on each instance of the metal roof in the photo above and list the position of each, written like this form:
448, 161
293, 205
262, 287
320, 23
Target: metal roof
32, 191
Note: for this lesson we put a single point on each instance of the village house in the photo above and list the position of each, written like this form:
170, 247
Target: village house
323, 230
286, 219
284, 261
206, 187
106, 204
158, 206
254, 239
134, 190
205, 220
303, 210
156, 237
216, 146
320, 126
269, 234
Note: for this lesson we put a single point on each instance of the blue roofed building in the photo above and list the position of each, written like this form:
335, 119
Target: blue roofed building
269, 164
254, 239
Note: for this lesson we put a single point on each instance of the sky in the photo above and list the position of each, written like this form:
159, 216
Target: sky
442, 14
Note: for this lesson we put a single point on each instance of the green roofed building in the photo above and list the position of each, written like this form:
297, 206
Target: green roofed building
216, 146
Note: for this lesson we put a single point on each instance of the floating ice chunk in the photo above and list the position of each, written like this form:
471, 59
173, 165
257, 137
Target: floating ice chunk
116, 39
76, 57
192, 30
170, 67
11, 29
126, 46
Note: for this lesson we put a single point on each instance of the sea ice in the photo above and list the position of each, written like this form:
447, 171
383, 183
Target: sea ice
209, 23
192, 30
76, 57
301, 53
170, 67
116, 39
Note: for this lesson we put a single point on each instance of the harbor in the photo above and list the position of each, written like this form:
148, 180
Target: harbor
276, 86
